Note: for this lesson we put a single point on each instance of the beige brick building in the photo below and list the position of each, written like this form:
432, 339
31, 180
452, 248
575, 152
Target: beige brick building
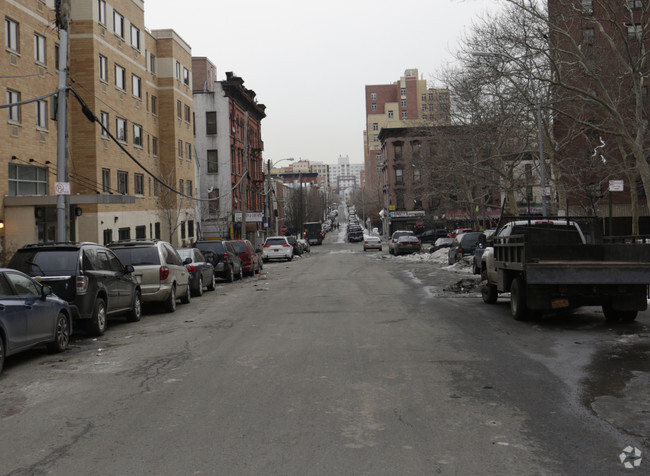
138, 84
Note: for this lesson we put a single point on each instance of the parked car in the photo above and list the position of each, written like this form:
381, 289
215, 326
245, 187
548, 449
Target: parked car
277, 247
393, 239
30, 315
372, 242
306, 247
249, 259
441, 243
201, 271
224, 258
160, 272
355, 233
297, 248
463, 245
430, 236
407, 244
90, 277
480, 248
458, 231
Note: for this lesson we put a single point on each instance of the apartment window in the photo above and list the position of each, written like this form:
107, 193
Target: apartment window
424, 107
120, 77
137, 135
27, 180
180, 149
103, 118
444, 96
135, 37
103, 73
588, 36
373, 96
124, 233
56, 57
398, 151
188, 187
424, 116
379, 158
403, 114
156, 188
430, 96
190, 228
152, 63
588, 6
424, 97
13, 112
375, 137
101, 11
390, 114
634, 4
403, 102
138, 184
120, 127
417, 176
154, 105
136, 85
399, 177
122, 182
211, 122
39, 48
41, 114
373, 107
431, 107
213, 161
11, 34
179, 109
186, 76
181, 185
188, 150
118, 24
108, 235
106, 180
188, 113
140, 232
416, 147
154, 146
634, 31
178, 71
402, 91
375, 126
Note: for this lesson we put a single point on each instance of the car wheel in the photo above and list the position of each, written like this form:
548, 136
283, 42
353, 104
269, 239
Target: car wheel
199, 288
188, 295
241, 273
230, 277
614, 316
170, 303
97, 324
61, 335
213, 283
489, 293
135, 313
290, 258
518, 300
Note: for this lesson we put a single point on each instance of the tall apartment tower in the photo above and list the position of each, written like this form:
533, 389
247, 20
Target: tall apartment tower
138, 84
404, 103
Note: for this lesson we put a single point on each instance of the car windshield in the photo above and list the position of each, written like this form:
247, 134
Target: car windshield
46, 262
138, 256
185, 253
216, 247
239, 246
276, 241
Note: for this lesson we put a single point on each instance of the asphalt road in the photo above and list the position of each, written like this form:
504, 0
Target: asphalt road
337, 363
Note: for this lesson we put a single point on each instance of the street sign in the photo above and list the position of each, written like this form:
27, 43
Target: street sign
616, 185
62, 188
419, 223
284, 229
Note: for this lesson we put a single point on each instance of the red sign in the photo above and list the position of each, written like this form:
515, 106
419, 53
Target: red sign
419, 223
284, 229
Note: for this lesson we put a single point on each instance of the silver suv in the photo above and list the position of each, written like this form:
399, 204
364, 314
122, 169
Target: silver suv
158, 268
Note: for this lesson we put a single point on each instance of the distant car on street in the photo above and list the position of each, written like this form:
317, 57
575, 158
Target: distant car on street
392, 243
407, 244
277, 247
463, 245
372, 242
224, 258
430, 236
201, 271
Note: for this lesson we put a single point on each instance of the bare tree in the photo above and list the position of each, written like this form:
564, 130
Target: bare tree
173, 208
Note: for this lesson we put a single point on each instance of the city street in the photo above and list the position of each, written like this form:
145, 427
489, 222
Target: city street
338, 362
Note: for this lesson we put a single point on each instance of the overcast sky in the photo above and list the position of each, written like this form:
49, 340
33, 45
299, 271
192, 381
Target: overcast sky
309, 60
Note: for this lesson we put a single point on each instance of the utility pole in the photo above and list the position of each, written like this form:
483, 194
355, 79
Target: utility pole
245, 179
62, 20
268, 198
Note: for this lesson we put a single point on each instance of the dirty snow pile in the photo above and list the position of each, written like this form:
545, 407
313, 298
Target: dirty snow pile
439, 258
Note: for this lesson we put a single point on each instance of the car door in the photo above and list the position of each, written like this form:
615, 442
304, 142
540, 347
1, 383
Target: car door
38, 314
12, 316
97, 267
122, 280
175, 264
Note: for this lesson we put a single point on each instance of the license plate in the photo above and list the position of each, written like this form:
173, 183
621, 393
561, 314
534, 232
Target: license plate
275, 251
559, 303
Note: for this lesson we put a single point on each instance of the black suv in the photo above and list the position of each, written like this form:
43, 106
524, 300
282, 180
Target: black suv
224, 258
89, 276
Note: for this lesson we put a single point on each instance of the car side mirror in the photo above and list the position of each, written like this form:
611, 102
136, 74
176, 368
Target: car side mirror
46, 291
187, 261
129, 268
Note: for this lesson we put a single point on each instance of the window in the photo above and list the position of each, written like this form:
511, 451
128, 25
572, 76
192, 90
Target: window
106, 180
108, 236
136, 85
178, 71
211, 122
188, 187
588, 6
181, 185
103, 74
154, 105
398, 150
101, 11
27, 180
124, 233
430, 96
103, 118
118, 24
634, 32
120, 128
633, 4
120, 77
424, 97
399, 177
11, 34
39, 48
213, 161
135, 37
416, 147
373, 107
403, 102
152, 63
13, 112
431, 108
180, 149
403, 114
375, 137
402, 91
188, 150
373, 96
182, 230
375, 126
137, 135
186, 76
588, 36
190, 228
140, 232
138, 184
188, 113
179, 109
41, 114
417, 176
390, 114
154, 146
424, 107
156, 187
444, 96
122, 182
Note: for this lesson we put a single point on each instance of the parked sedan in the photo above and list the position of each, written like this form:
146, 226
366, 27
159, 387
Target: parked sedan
371, 242
407, 244
463, 245
441, 243
201, 271
30, 315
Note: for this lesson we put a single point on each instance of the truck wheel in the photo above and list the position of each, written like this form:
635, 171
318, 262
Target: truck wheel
614, 316
518, 299
489, 293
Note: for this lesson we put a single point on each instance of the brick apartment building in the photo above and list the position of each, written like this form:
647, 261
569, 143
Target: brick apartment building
138, 84
229, 153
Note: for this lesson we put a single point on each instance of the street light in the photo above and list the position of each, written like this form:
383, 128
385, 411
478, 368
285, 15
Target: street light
538, 107
268, 193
